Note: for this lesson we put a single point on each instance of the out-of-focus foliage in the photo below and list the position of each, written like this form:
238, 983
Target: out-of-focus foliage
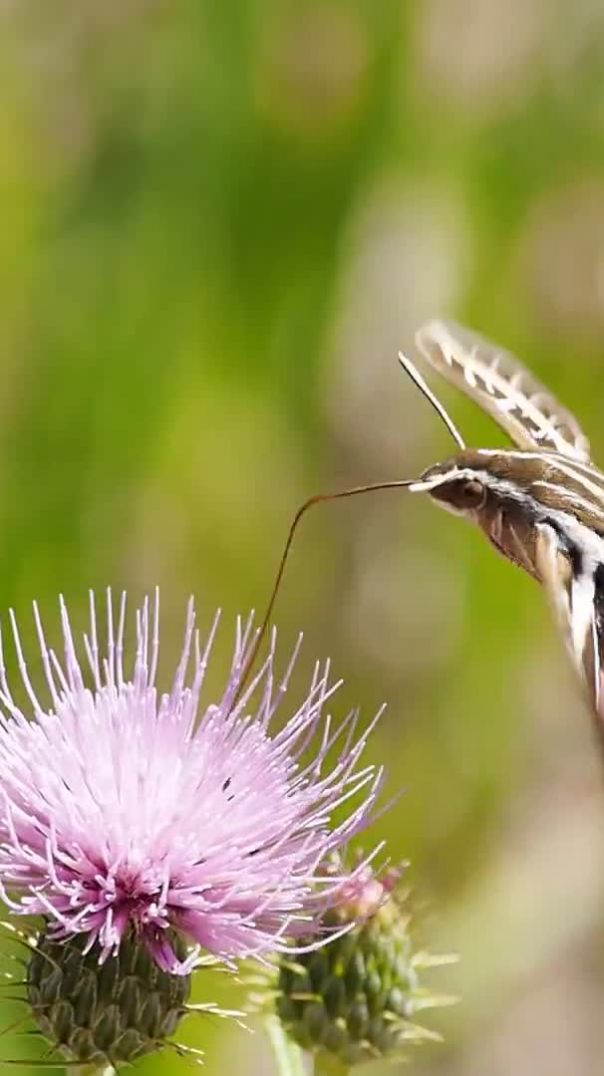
219, 222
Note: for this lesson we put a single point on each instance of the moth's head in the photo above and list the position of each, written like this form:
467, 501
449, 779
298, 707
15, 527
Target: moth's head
457, 484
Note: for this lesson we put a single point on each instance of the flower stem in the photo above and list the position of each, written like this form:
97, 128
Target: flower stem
328, 1065
289, 1056
93, 1069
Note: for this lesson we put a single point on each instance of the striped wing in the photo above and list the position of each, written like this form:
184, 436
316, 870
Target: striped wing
501, 385
578, 604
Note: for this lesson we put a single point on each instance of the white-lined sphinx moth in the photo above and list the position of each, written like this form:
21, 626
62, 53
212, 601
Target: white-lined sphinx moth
541, 504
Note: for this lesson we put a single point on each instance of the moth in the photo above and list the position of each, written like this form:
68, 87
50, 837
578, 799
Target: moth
540, 503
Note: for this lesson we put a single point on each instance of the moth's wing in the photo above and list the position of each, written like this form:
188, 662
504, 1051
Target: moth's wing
501, 385
577, 602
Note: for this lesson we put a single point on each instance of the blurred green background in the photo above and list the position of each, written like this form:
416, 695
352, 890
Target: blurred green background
219, 222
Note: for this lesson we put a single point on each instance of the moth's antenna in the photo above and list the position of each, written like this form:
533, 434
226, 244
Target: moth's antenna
317, 499
426, 391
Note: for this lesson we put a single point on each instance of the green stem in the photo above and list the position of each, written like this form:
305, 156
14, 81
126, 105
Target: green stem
328, 1065
289, 1056
92, 1070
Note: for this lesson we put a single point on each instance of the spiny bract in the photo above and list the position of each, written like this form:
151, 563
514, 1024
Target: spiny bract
107, 1013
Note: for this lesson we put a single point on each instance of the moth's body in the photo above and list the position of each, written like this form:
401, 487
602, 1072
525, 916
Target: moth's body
510, 494
541, 504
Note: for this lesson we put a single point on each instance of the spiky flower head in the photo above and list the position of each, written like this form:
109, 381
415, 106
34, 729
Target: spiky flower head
104, 1015
358, 999
126, 813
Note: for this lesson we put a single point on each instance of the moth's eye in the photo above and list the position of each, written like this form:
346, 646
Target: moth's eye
472, 494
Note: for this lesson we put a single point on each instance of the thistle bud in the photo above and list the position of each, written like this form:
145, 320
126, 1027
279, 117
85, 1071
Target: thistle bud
357, 998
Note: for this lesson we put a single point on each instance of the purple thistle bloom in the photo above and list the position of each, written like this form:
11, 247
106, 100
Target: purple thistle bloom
122, 808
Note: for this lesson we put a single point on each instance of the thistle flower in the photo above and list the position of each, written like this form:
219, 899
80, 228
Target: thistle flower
357, 1000
130, 816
